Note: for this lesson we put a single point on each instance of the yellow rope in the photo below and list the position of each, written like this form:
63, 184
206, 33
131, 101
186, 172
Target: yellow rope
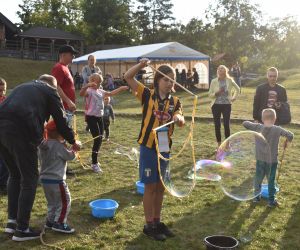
48, 245
189, 139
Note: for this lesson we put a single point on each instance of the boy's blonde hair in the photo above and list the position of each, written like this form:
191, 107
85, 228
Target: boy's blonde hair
2, 82
95, 76
269, 114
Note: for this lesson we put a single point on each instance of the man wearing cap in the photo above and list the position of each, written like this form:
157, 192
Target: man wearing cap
22, 118
65, 82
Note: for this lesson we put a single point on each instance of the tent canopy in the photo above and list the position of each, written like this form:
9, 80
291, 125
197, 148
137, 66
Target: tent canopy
158, 51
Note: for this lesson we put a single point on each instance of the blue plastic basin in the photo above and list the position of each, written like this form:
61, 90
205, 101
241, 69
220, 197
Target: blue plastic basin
104, 208
265, 191
140, 187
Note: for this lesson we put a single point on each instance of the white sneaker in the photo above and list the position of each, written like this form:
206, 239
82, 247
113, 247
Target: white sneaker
96, 168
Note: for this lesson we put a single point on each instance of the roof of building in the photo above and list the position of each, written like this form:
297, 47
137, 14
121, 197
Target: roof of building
51, 33
158, 51
8, 23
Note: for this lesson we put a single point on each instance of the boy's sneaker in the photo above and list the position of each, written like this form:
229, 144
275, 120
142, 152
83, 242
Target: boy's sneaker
273, 203
23, 235
63, 228
162, 228
256, 199
96, 168
154, 233
10, 227
48, 224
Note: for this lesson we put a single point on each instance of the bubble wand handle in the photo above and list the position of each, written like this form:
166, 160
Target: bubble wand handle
178, 84
281, 161
164, 125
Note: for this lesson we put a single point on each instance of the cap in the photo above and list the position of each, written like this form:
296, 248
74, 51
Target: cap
50, 126
67, 49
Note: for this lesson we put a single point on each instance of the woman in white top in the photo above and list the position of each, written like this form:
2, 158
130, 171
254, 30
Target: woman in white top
223, 91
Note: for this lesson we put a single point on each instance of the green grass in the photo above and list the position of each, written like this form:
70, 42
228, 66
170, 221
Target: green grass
207, 211
16, 71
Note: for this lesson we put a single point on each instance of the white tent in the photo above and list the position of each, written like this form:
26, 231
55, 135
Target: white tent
117, 61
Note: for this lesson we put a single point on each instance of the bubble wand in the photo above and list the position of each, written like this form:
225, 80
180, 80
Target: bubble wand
188, 139
281, 160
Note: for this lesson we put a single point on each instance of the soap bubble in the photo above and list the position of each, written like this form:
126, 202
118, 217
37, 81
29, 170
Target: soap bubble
238, 155
208, 170
132, 153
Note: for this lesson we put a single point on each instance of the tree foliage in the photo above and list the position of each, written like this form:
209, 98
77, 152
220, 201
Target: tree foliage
153, 17
234, 27
108, 21
61, 14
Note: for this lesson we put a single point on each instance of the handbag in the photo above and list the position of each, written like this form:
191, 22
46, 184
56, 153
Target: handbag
284, 114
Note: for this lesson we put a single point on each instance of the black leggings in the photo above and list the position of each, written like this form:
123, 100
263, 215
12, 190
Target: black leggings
225, 110
96, 128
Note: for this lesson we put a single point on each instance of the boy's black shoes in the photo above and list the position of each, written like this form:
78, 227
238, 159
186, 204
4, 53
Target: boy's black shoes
10, 227
163, 229
154, 233
63, 228
23, 235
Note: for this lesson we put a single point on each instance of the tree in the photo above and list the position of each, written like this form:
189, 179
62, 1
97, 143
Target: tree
153, 17
236, 27
61, 14
109, 21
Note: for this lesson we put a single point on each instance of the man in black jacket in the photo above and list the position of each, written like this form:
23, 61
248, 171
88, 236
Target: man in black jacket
22, 118
268, 95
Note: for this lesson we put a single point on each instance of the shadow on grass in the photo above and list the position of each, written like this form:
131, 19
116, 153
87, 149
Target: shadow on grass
193, 227
290, 238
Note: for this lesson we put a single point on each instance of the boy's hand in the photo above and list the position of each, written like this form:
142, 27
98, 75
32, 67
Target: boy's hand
76, 146
179, 120
286, 143
92, 84
144, 62
71, 105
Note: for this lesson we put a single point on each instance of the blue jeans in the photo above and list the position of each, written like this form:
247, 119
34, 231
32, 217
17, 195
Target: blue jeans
264, 169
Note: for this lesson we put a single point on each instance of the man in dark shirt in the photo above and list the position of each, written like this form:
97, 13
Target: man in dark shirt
22, 118
268, 95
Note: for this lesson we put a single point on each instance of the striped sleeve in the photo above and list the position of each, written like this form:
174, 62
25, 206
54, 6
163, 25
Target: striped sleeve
142, 92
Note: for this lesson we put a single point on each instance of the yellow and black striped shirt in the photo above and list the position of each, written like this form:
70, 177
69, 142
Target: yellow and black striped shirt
155, 112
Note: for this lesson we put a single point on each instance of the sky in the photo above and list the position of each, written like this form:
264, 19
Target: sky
184, 10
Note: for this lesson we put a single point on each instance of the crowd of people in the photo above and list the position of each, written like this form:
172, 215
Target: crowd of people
27, 131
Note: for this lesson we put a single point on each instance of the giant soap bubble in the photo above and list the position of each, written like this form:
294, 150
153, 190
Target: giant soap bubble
238, 156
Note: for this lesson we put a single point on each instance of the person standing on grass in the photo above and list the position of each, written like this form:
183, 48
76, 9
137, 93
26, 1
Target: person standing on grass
265, 167
269, 95
65, 81
94, 113
108, 112
3, 168
54, 154
22, 118
223, 91
86, 72
90, 69
195, 76
158, 108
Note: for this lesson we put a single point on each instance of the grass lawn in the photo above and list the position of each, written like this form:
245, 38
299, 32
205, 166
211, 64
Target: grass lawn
16, 71
207, 211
